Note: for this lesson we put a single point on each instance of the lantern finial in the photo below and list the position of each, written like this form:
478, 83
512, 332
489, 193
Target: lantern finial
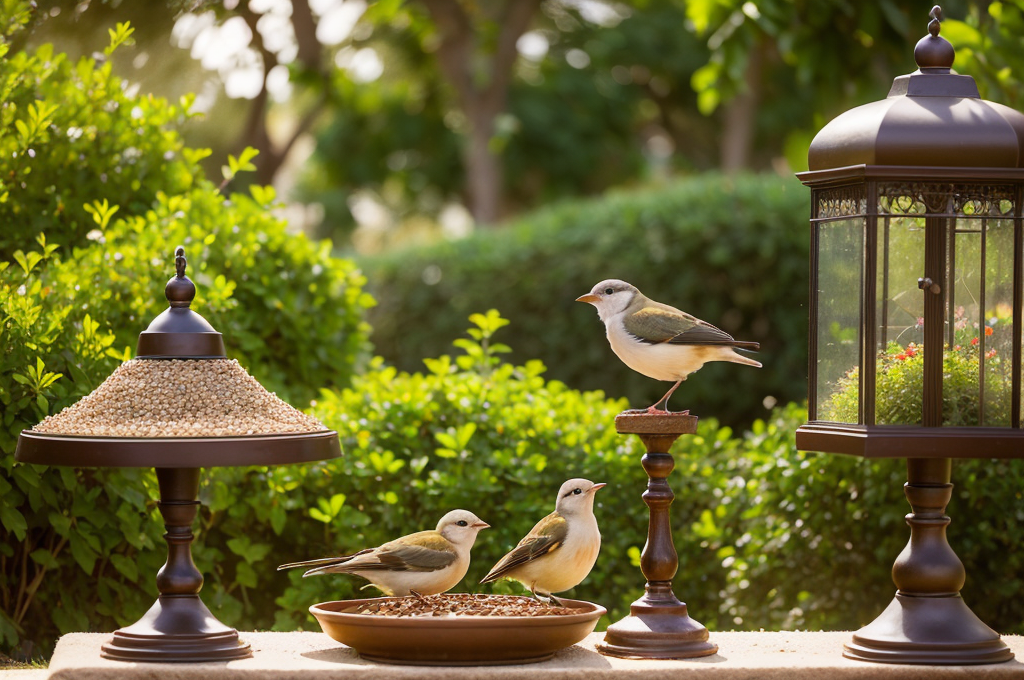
933, 51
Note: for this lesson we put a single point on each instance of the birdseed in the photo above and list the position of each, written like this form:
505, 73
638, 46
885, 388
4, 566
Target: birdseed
179, 398
463, 604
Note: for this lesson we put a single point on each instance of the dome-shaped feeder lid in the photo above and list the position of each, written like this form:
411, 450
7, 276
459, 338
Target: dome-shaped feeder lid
160, 410
932, 117
179, 332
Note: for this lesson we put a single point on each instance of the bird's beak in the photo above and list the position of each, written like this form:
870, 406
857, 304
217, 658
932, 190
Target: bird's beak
599, 485
589, 297
481, 525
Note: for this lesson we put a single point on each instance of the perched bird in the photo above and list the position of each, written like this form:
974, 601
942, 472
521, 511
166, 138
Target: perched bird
424, 563
561, 549
659, 341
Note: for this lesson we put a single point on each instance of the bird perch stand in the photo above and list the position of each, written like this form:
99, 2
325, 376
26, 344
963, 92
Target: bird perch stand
658, 626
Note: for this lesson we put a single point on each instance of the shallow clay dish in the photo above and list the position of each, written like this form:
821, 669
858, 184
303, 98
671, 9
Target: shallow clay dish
455, 640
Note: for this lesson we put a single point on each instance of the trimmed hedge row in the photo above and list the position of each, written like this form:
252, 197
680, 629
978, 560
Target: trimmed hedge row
730, 251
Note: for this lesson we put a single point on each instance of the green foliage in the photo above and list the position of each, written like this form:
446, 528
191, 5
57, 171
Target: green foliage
78, 548
80, 135
730, 251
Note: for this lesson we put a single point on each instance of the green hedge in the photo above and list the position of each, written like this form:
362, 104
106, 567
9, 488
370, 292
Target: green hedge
730, 251
73, 543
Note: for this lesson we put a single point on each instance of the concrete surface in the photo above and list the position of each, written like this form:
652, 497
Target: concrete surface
314, 656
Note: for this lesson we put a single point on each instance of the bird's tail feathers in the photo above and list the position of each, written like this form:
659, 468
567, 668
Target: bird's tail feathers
747, 345
738, 358
322, 563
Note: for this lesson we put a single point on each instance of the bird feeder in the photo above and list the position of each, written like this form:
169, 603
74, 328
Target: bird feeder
916, 311
179, 406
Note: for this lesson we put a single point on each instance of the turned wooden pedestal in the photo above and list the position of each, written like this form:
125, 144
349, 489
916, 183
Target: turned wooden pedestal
179, 627
658, 626
928, 622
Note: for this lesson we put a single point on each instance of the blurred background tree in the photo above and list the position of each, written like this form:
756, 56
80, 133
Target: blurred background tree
417, 120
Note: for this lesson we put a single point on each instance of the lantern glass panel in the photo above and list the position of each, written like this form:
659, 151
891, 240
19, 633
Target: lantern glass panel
899, 368
978, 359
840, 267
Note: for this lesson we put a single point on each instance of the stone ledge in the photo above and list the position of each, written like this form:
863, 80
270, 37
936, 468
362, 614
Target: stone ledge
314, 656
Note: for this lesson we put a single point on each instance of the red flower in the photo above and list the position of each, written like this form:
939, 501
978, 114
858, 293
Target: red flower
901, 357
988, 330
989, 354
958, 348
911, 351
974, 341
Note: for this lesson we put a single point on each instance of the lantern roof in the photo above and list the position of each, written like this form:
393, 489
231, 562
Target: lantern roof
932, 117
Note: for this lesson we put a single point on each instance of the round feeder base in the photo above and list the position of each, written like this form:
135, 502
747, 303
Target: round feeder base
934, 631
657, 631
176, 629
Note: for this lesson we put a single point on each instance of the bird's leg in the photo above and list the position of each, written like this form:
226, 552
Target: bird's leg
664, 400
556, 600
416, 594
533, 591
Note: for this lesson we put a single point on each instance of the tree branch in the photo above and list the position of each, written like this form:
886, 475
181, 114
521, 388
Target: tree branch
514, 22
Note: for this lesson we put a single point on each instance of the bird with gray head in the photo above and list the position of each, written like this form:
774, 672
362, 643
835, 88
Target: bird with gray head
561, 549
424, 563
660, 341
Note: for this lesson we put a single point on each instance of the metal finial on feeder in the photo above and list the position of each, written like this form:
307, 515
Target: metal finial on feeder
933, 51
180, 290
179, 332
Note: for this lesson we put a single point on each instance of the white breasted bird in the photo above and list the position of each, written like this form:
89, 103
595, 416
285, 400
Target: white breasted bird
659, 341
424, 563
561, 549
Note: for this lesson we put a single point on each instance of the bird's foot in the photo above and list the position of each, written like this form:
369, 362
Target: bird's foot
654, 410
556, 600
417, 595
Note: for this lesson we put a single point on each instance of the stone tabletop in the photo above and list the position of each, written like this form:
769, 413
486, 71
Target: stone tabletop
314, 656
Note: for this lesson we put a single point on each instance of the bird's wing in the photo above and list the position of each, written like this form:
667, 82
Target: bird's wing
658, 324
546, 536
423, 551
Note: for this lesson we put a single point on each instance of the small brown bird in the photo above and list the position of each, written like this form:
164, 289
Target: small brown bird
561, 549
424, 563
659, 341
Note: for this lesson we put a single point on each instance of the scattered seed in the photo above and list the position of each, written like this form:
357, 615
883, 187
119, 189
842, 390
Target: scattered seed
463, 604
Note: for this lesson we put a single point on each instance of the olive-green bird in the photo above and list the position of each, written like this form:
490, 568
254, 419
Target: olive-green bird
561, 549
424, 563
659, 341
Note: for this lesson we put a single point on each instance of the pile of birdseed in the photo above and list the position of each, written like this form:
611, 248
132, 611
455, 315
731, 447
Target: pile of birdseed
464, 604
179, 398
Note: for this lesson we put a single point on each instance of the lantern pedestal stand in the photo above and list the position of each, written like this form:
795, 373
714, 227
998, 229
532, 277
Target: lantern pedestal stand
928, 622
658, 626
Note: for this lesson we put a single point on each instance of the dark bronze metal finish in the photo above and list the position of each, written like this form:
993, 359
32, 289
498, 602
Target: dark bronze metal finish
179, 332
179, 627
936, 154
267, 449
928, 622
658, 626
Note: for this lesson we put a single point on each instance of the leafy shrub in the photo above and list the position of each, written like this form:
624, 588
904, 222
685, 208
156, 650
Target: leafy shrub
75, 133
79, 547
730, 251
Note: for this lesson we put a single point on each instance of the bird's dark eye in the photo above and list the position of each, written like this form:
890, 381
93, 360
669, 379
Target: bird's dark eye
462, 523
577, 491
608, 291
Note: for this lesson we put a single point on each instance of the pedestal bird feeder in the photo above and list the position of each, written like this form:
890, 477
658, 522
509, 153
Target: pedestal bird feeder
917, 264
659, 625
179, 406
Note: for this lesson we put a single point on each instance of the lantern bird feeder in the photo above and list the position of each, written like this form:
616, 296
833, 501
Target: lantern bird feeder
916, 322
179, 406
